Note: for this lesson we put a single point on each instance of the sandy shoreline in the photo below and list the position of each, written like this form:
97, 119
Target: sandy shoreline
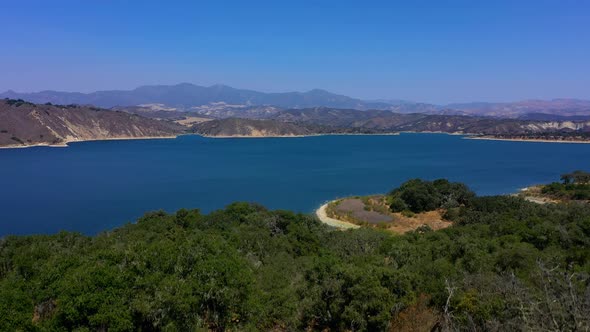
65, 143
322, 214
323, 217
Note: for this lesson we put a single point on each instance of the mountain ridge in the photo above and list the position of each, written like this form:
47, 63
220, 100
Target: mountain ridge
186, 96
189, 95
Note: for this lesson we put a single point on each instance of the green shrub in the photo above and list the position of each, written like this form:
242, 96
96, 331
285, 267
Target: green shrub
398, 205
420, 196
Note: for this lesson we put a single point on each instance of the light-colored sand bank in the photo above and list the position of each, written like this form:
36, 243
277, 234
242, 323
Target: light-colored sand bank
323, 217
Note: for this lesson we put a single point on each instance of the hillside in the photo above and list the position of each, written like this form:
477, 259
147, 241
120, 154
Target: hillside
395, 122
154, 111
322, 120
232, 127
222, 110
559, 107
25, 124
502, 264
235, 127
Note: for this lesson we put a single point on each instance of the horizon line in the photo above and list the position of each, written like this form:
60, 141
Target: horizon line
387, 100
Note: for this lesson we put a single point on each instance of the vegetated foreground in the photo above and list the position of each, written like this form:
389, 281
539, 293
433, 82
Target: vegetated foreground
504, 264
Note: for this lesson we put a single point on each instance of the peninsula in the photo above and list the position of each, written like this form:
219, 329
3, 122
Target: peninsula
432, 205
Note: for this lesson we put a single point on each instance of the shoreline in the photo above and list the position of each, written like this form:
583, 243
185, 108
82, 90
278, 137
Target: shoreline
438, 132
298, 136
322, 214
323, 217
465, 136
485, 138
528, 194
65, 144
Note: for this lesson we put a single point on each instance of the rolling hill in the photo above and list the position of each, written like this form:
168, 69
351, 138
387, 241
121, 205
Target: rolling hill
26, 124
296, 122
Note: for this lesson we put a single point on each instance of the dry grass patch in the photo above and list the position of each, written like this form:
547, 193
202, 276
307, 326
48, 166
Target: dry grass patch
191, 120
373, 211
535, 195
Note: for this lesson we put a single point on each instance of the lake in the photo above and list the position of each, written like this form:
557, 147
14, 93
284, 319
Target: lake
93, 186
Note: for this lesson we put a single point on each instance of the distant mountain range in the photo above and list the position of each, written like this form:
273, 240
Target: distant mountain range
216, 98
186, 95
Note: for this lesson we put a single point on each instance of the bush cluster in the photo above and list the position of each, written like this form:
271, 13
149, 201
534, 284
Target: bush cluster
419, 196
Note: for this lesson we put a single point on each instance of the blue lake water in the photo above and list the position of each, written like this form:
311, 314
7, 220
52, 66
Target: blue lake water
94, 186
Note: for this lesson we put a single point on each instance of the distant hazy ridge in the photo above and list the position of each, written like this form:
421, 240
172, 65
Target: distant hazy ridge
186, 96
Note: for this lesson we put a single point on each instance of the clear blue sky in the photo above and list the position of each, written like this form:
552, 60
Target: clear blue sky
431, 51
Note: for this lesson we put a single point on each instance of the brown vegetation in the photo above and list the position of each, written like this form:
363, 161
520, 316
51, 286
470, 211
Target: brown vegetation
373, 211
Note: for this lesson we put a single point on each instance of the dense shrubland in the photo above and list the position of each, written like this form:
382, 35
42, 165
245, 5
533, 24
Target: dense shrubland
506, 264
574, 186
419, 196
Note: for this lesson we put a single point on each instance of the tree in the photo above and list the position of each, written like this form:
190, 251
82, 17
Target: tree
580, 177
398, 205
576, 177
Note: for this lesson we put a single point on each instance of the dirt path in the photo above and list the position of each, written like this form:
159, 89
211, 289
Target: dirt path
323, 217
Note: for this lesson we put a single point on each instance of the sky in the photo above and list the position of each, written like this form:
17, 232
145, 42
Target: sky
427, 51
